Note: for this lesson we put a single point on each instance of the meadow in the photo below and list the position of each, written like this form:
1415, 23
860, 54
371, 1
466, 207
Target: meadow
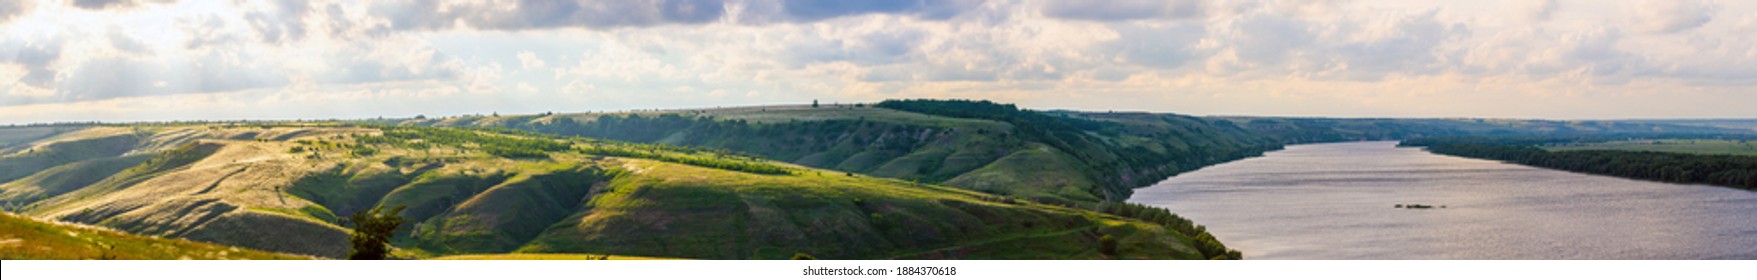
486, 193
23, 238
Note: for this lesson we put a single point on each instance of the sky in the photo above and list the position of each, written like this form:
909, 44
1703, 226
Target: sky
158, 60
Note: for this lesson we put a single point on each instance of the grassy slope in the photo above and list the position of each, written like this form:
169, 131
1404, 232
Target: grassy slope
1692, 146
199, 183
12, 136
548, 257
280, 188
665, 209
975, 154
25, 238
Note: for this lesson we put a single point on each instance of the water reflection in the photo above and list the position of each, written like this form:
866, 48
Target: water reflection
1335, 201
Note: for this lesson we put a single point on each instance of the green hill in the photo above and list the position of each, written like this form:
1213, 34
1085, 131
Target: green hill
27, 239
281, 187
977, 145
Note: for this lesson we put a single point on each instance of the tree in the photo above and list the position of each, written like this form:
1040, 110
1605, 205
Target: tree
814, 103
372, 232
1107, 245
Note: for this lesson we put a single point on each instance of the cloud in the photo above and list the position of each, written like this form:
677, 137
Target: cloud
1590, 57
1672, 16
1113, 10
1207, 56
128, 44
814, 10
281, 21
543, 14
1407, 45
1266, 43
36, 57
11, 9
109, 78
1265, 39
390, 60
113, 4
530, 61
1168, 46
1533, 11
148, 51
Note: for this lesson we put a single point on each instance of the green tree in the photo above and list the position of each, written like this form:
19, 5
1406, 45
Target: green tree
1107, 245
814, 103
372, 232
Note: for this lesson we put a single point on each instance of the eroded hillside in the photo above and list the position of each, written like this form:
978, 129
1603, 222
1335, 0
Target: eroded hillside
281, 187
981, 146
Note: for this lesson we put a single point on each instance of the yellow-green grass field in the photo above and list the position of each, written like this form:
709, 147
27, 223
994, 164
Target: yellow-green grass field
29, 239
281, 187
548, 257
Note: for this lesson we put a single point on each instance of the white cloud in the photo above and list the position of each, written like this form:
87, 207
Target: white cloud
10, 9
1111, 10
530, 61
1671, 16
1532, 11
1364, 57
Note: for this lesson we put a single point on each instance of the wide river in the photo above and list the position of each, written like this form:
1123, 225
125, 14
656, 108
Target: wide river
1337, 201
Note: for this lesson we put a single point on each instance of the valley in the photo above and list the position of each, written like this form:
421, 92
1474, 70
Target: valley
900, 179
281, 186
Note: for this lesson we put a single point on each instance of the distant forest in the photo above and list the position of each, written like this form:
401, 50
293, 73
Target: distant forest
1722, 170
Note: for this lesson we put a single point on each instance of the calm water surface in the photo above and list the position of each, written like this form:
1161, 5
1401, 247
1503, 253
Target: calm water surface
1335, 201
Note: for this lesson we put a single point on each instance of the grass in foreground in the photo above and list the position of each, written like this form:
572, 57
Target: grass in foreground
24, 238
548, 257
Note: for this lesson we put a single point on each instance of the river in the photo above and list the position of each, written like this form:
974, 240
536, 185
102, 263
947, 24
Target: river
1337, 201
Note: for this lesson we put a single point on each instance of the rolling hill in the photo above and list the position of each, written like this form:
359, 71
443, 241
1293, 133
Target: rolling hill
23, 238
280, 187
975, 145
1057, 156
905, 179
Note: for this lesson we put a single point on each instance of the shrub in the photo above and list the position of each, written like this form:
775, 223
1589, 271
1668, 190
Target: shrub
372, 232
1107, 245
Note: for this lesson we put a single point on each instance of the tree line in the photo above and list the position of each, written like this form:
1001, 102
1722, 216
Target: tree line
1205, 242
720, 161
496, 142
1722, 170
493, 144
